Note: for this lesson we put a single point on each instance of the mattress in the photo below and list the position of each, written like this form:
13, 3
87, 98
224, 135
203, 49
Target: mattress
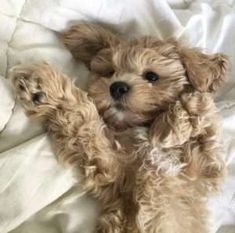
36, 193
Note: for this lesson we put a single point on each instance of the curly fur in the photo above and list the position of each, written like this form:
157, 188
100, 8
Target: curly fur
152, 158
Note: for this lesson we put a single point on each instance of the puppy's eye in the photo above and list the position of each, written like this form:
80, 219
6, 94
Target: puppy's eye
151, 76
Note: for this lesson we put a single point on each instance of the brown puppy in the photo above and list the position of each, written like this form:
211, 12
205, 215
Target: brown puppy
144, 137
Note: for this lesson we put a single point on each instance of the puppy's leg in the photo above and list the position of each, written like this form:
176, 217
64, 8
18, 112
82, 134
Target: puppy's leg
205, 166
172, 127
70, 117
190, 123
203, 155
79, 135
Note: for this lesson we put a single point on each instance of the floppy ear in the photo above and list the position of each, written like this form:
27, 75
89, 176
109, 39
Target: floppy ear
101, 63
205, 72
86, 40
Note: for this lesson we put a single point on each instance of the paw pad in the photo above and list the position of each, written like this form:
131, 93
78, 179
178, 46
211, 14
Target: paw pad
38, 97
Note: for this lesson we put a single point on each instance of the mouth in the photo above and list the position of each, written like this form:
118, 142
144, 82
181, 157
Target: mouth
119, 118
120, 106
115, 116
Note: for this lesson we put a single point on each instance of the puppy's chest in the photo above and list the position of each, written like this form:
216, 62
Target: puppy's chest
135, 142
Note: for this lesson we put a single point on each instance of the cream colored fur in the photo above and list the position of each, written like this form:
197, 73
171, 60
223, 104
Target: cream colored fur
154, 157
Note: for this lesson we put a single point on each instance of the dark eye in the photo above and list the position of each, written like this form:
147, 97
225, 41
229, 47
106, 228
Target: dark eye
151, 76
109, 73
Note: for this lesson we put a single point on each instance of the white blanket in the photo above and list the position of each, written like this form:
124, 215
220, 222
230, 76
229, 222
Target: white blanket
37, 195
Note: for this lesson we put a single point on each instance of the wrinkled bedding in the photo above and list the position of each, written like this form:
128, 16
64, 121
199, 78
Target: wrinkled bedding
38, 195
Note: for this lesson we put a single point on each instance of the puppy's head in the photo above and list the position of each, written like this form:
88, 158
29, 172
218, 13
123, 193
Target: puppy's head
134, 80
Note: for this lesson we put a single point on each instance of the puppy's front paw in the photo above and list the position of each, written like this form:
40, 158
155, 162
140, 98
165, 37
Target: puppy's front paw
36, 86
171, 128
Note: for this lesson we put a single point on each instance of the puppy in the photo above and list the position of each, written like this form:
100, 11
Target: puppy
144, 136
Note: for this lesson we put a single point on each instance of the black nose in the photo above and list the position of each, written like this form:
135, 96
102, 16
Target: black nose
118, 89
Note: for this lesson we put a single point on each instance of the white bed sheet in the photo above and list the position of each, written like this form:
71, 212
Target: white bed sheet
36, 193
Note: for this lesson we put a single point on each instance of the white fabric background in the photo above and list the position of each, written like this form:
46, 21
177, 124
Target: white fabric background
36, 193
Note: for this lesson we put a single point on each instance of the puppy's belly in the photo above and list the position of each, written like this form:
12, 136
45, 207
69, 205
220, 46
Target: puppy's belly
168, 202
